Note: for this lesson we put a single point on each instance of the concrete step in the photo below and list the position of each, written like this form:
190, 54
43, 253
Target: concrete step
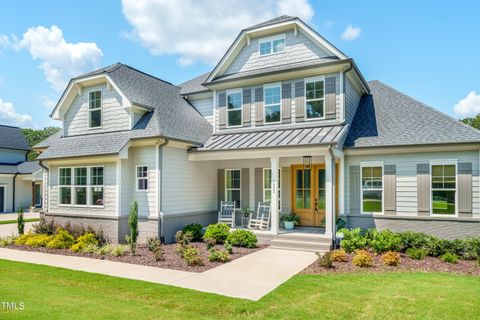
288, 244
297, 236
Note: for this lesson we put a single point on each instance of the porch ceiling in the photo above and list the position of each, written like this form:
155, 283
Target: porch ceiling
324, 135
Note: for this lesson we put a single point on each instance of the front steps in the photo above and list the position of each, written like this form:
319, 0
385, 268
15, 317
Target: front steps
301, 242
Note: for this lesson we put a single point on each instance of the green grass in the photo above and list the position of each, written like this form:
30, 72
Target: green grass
54, 293
15, 221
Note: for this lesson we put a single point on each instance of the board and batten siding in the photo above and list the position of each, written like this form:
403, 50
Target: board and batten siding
114, 116
293, 108
203, 105
352, 99
297, 48
187, 186
109, 192
406, 176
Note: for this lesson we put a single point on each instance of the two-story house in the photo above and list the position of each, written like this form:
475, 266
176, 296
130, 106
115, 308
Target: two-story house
20, 180
285, 118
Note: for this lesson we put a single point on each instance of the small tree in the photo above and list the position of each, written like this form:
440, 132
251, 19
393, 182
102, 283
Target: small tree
133, 225
20, 222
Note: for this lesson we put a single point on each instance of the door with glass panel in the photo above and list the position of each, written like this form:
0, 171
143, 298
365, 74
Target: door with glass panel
309, 194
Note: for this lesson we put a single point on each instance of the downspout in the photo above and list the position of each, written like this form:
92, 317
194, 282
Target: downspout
159, 191
45, 185
13, 192
332, 155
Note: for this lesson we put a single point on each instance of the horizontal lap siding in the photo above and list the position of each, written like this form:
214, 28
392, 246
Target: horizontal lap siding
114, 116
205, 107
110, 193
406, 176
188, 186
352, 99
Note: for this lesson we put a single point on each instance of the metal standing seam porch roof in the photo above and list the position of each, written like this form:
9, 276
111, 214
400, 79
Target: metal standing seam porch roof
323, 135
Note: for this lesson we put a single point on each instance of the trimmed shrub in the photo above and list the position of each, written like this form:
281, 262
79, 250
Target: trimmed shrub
118, 251
78, 230
416, 253
90, 248
192, 256
471, 249
228, 246
153, 244
325, 260
83, 241
44, 227
183, 238
23, 238
339, 255
391, 258
6, 241
218, 256
133, 226
218, 231
384, 241
195, 229
449, 257
353, 240
38, 240
242, 238
159, 254
363, 259
20, 222
62, 240
104, 250
210, 243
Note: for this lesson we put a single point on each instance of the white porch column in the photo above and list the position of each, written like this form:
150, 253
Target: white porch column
274, 164
330, 196
341, 185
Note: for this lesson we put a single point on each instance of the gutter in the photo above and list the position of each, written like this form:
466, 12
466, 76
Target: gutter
159, 191
43, 184
13, 191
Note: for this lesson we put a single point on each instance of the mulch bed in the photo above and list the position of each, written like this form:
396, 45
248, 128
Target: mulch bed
144, 257
429, 264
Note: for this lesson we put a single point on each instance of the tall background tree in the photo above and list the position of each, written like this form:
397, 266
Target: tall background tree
34, 136
474, 121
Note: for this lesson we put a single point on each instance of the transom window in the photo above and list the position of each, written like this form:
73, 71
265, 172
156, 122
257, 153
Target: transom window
81, 186
234, 108
372, 189
142, 178
272, 103
444, 189
267, 186
272, 45
95, 108
314, 98
232, 186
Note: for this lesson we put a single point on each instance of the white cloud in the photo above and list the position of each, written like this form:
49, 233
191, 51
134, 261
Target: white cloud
47, 102
8, 115
468, 106
201, 30
351, 33
60, 60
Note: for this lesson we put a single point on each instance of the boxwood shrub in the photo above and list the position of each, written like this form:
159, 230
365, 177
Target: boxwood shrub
218, 231
195, 229
242, 238
353, 239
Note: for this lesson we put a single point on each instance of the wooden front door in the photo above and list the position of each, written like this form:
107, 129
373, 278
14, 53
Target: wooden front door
309, 194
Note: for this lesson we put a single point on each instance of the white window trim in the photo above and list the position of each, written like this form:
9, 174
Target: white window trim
270, 187
372, 164
240, 189
268, 86
4, 186
313, 79
271, 39
72, 187
89, 111
443, 162
233, 91
41, 195
137, 178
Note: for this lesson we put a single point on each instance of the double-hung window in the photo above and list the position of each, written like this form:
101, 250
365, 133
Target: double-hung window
142, 178
372, 188
271, 45
95, 109
96, 185
234, 108
267, 186
80, 186
65, 186
314, 98
272, 94
232, 186
444, 189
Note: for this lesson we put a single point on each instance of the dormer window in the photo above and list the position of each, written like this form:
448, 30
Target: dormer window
270, 45
95, 109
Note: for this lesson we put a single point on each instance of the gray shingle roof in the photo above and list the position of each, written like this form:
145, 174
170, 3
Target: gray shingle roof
22, 168
280, 19
12, 138
388, 117
275, 138
194, 85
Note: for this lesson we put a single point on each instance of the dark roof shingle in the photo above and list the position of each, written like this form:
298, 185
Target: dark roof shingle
26, 167
12, 138
194, 85
388, 117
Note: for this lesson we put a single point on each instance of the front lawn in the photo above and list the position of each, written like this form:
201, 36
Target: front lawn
53, 293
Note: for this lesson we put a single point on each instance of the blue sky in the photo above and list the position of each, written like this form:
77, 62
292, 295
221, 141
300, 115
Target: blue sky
427, 49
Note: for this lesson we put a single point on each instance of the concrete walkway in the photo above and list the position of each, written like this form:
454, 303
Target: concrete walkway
250, 277
12, 229
13, 216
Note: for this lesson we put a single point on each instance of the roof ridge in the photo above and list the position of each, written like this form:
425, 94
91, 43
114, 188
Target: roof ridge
147, 74
446, 116
9, 126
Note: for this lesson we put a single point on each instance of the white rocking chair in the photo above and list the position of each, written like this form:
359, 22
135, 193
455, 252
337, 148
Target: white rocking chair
261, 219
227, 213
